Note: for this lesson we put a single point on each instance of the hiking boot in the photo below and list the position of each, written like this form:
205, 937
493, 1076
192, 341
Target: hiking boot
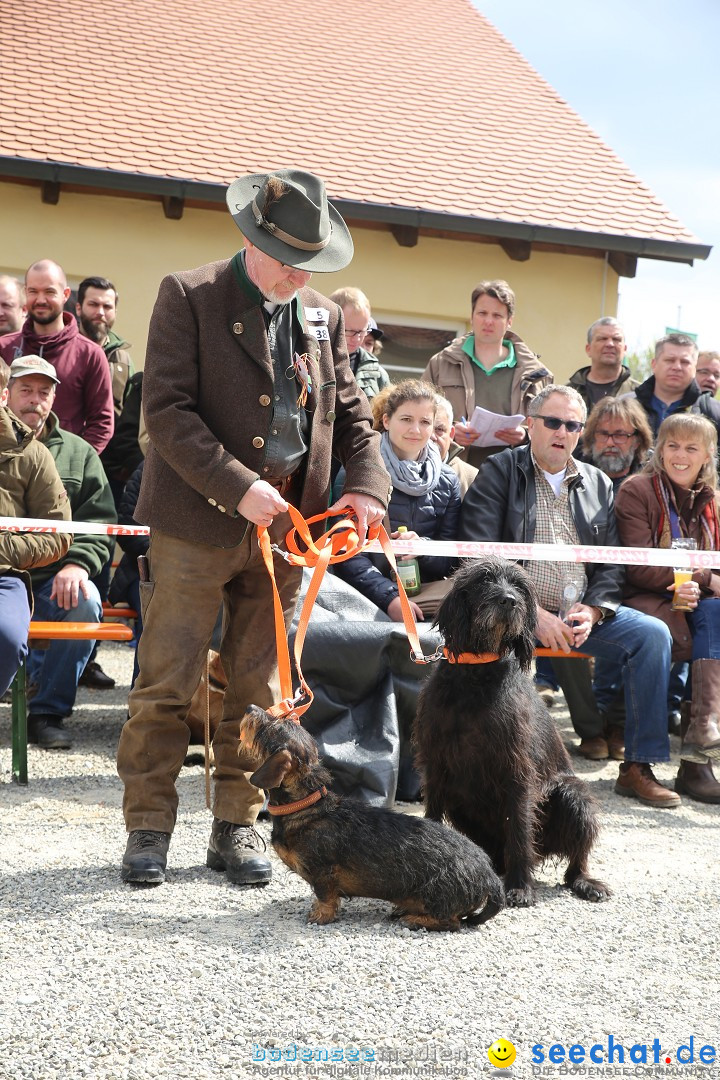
47, 732
616, 744
239, 851
697, 781
94, 677
145, 857
595, 749
636, 781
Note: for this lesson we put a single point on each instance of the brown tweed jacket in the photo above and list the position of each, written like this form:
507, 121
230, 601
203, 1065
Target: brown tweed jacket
207, 399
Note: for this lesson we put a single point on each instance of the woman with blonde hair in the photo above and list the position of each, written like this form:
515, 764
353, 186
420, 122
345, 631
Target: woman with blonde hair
676, 496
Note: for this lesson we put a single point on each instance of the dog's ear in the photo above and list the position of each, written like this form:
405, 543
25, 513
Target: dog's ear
524, 646
524, 649
455, 619
272, 773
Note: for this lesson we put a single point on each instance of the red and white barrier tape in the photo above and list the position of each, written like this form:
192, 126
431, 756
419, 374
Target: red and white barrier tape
621, 556
84, 528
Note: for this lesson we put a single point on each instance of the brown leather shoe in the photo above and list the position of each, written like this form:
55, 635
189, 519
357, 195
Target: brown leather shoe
636, 781
595, 749
697, 781
616, 743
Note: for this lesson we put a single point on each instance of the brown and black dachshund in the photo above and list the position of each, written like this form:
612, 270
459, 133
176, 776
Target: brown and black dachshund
434, 877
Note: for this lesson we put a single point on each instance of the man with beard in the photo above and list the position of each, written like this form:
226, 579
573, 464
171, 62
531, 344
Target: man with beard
63, 590
96, 309
247, 393
617, 438
12, 304
83, 402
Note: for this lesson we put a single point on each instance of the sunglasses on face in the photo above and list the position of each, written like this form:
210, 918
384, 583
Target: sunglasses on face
555, 423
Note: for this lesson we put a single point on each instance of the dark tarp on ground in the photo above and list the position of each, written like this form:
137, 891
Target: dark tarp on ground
357, 663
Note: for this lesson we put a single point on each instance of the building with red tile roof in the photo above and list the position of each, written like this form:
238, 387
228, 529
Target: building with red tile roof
450, 157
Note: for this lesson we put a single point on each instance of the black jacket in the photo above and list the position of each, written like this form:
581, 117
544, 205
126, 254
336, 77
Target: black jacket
500, 506
694, 400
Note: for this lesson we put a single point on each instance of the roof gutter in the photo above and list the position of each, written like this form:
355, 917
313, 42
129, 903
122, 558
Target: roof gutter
179, 188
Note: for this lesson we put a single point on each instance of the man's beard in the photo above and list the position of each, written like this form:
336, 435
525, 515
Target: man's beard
280, 296
96, 331
44, 318
613, 464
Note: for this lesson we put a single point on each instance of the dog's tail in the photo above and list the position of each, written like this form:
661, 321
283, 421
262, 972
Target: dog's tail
494, 903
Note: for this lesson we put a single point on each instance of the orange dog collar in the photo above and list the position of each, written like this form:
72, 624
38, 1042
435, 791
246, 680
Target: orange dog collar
301, 804
471, 658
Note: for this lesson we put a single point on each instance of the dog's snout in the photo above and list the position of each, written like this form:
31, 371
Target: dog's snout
507, 600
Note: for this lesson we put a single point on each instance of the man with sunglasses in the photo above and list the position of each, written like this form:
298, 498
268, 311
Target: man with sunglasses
541, 494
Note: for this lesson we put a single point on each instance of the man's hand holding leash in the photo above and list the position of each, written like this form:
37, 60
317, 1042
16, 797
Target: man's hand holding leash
261, 503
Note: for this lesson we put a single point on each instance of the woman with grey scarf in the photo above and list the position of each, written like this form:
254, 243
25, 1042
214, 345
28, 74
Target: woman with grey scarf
425, 500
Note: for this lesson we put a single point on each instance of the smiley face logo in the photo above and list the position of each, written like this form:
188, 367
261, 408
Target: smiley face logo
501, 1053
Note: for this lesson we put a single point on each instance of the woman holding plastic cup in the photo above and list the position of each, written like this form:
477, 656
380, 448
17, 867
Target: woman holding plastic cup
675, 499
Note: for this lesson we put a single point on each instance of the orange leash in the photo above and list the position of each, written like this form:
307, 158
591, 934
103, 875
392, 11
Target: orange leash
339, 543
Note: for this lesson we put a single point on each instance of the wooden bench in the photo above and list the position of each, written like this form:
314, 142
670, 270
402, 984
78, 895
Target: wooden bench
111, 611
52, 631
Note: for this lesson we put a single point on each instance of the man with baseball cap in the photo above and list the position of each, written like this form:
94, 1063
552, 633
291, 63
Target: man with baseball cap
29, 487
64, 590
247, 393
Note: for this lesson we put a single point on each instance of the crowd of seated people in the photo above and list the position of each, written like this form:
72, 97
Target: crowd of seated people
655, 442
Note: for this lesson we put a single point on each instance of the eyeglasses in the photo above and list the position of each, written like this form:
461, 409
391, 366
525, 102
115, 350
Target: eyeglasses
619, 437
555, 423
357, 334
707, 373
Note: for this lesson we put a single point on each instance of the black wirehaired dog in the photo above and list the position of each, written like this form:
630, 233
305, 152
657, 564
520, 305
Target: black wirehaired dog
492, 761
433, 876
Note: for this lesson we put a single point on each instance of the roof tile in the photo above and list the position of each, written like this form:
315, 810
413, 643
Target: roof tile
451, 119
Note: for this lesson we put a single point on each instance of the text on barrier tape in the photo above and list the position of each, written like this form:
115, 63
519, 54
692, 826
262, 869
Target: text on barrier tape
464, 549
578, 553
84, 528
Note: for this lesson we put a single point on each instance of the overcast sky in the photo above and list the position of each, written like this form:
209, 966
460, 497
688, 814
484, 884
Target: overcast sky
646, 77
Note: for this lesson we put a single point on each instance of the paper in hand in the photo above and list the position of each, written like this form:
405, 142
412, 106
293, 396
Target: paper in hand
487, 423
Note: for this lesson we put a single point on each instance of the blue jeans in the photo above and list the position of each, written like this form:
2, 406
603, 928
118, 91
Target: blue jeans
14, 624
640, 646
607, 684
57, 669
704, 623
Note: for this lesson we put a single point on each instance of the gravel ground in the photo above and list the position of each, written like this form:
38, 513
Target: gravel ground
201, 979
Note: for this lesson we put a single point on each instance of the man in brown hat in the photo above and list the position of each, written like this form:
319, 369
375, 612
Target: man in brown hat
247, 394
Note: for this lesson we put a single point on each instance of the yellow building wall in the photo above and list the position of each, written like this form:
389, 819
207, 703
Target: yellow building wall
132, 243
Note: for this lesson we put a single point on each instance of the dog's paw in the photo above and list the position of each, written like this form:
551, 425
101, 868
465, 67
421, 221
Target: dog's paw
322, 914
520, 897
591, 889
